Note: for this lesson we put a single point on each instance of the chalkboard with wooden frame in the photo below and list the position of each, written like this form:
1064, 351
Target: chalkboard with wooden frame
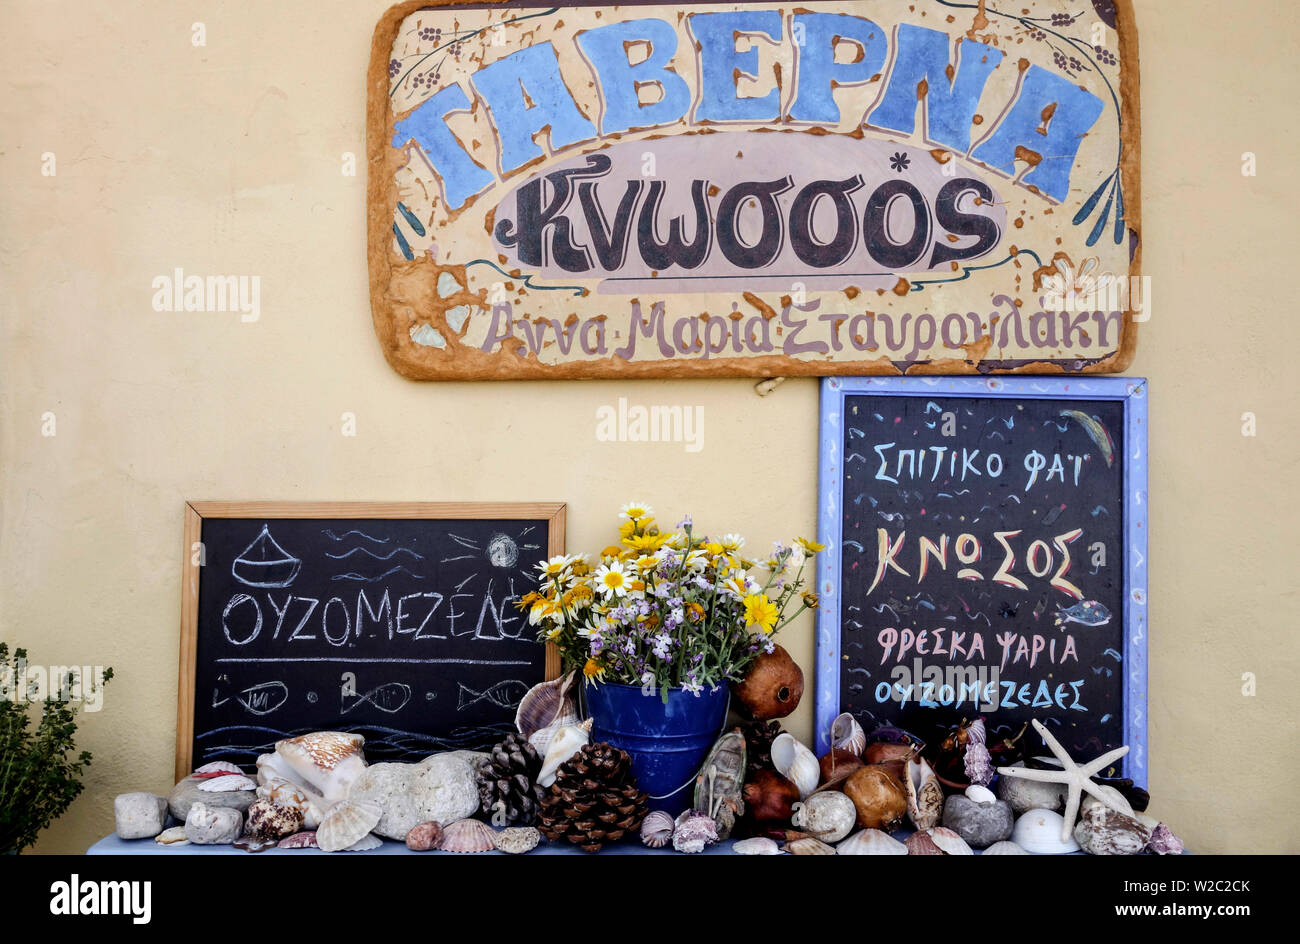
392, 619
986, 544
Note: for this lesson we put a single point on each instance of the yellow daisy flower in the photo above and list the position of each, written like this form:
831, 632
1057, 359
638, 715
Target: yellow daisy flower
593, 670
761, 612
812, 547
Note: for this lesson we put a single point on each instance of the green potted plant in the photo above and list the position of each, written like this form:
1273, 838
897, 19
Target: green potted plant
40, 771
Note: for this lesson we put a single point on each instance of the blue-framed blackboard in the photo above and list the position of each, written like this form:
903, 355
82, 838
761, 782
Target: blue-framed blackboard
986, 555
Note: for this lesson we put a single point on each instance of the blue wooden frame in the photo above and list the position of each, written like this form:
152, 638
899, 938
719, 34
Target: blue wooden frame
1130, 390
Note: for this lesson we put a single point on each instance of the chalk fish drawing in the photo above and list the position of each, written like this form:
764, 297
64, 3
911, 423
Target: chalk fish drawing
391, 697
1094, 428
260, 699
264, 563
506, 694
1087, 613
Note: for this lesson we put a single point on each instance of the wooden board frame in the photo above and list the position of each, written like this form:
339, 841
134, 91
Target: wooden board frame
1131, 391
196, 512
388, 313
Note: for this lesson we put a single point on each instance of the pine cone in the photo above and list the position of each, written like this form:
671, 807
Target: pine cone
594, 799
507, 782
759, 736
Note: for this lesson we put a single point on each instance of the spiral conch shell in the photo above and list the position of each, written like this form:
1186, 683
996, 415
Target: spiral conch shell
562, 745
924, 794
796, 763
847, 734
830, 816
547, 709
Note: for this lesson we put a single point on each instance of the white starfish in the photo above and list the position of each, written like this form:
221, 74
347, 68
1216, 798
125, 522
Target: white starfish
1077, 778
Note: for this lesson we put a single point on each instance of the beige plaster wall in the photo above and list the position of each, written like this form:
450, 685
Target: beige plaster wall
226, 159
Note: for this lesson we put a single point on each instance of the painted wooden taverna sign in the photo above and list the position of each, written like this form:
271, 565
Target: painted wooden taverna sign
754, 189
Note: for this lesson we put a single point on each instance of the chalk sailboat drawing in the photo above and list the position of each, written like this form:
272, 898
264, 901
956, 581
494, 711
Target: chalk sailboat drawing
264, 563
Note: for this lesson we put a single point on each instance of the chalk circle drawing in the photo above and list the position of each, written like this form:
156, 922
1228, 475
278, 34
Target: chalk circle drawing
502, 551
390, 698
260, 699
264, 563
504, 694
312, 697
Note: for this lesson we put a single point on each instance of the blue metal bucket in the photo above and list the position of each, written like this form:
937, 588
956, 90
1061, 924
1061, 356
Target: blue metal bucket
667, 743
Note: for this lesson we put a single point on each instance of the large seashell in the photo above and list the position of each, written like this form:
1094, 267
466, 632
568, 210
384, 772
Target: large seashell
467, 835
303, 840
809, 846
284, 793
326, 762
921, 844
796, 763
216, 768
950, 842
759, 845
564, 745
924, 795
657, 829
721, 780
227, 782
871, 842
364, 844
879, 797
847, 734
551, 705
693, 831
1005, 847
830, 816
1103, 831
1038, 832
346, 823
517, 840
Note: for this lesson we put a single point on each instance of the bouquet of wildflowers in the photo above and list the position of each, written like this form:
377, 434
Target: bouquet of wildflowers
668, 609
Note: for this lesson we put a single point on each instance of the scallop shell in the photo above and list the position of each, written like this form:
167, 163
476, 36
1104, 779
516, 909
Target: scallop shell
657, 829
924, 794
227, 783
921, 844
796, 763
759, 845
830, 816
552, 704
808, 846
216, 767
172, 837
978, 794
1005, 847
346, 824
950, 842
467, 835
847, 735
365, 844
303, 840
1038, 832
871, 842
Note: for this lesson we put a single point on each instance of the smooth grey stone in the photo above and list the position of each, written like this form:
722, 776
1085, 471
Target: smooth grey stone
980, 824
139, 815
186, 793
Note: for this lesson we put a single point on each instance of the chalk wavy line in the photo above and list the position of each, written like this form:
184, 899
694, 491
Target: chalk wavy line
340, 537
528, 279
384, 557
364, 579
